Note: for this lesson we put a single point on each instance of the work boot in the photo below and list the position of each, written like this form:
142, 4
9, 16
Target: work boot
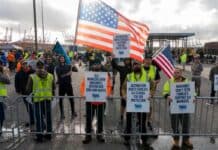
126, 142
147, 146
150, 125
100, 139
187, 144
74, 115
175, 144
87, 139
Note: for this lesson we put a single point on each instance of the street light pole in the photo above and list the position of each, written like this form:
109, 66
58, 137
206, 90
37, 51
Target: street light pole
35, 24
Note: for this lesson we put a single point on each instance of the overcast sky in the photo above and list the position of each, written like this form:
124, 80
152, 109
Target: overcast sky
198, 16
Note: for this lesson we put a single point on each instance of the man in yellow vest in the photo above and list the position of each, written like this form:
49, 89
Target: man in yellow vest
4, 79
154, 78
137, 75
41, 85
176, 119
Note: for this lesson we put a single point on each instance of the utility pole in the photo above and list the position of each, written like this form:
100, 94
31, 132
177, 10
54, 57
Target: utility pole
35, 24
43, 26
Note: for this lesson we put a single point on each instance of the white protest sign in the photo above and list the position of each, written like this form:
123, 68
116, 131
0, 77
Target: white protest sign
121, 44
215, 82
182, 95
137, 97
96, 86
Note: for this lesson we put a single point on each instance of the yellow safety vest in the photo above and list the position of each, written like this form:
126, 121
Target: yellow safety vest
3, 89
151, 72
166, 88
183, 58
132, 77
71, 54
42, 87
26, 55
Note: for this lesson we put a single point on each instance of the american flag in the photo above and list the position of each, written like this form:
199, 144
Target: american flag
163, 58
98, 23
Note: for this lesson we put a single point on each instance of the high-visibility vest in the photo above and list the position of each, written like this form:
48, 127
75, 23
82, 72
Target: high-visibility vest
151, 72
3, 89
183, 58
26, 55
167, 84
42, 88
70, 54
132, 77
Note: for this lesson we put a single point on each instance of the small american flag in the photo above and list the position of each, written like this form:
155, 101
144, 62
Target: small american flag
98, 23
163, 58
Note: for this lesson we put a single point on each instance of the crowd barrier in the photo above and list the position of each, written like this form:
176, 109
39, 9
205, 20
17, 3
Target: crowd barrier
203, 122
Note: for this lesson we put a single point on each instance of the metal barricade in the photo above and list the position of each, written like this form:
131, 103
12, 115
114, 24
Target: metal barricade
202, 123
10, 131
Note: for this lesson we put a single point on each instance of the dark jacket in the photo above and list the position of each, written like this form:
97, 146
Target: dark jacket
123, 70
21, 79
60, 71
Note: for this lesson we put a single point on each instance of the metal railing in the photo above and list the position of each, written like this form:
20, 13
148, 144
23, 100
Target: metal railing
202, 123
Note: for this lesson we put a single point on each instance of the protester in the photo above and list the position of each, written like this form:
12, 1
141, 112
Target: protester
196, 70
183, 59
213, 72
137, 75
153, 78
4, 80
64, 82
93, 108
21, 78
123, 71
178, 119
41, 85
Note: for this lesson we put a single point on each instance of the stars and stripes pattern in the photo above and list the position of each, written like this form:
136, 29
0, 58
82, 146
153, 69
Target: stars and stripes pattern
98, 23
163, 58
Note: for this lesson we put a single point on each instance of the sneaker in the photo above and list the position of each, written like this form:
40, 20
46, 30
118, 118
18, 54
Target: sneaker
187, 144
100, 139
87, 139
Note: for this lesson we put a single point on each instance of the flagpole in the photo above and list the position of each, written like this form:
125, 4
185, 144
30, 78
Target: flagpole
35, 25
77, 20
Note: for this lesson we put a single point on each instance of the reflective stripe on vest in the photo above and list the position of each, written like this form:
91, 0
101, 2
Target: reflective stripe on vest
42, 88
3, 89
